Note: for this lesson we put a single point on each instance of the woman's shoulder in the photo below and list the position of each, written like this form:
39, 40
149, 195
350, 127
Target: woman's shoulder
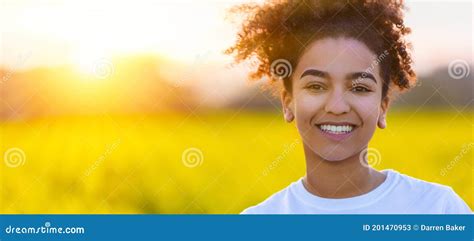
426, 192
272, 204
414, 184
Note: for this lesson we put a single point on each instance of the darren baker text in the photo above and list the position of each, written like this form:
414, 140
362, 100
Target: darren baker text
446, 227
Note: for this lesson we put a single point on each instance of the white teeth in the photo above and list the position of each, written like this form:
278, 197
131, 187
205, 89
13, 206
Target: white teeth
336, 129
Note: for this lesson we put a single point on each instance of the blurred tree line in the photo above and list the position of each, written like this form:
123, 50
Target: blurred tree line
137, 84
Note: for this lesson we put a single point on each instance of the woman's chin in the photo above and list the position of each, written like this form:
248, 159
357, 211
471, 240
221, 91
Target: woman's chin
332, 153
335, 155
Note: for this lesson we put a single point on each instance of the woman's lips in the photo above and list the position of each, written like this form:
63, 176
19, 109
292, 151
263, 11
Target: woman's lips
336, 132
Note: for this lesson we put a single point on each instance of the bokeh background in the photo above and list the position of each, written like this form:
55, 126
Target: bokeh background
132, 107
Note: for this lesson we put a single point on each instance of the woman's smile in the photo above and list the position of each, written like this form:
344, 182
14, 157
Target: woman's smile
336, 131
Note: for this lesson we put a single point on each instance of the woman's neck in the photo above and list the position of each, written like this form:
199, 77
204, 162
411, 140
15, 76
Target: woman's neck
339, 179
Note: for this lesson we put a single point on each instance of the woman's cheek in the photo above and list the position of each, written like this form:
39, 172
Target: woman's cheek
368, 109
306, 107
306, 110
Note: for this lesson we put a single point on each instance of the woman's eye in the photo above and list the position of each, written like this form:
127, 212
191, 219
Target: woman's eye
360, 89
315, 87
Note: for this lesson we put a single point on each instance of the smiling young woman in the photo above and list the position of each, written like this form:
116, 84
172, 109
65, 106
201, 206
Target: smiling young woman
342, 61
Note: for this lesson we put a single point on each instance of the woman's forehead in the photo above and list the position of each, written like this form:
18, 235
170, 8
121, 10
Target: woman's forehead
337, 55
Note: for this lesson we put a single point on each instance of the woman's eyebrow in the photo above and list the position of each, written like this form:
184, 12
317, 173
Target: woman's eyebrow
323, 74
361, 75
314, 72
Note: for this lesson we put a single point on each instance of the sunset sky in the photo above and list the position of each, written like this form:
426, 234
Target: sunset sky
58, 32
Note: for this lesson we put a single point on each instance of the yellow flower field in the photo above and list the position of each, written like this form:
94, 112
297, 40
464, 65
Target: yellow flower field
217, 162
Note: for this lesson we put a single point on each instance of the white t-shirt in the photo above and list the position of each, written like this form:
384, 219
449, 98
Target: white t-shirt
398, 194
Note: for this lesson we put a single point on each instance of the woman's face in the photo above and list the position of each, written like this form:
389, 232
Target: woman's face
336, 98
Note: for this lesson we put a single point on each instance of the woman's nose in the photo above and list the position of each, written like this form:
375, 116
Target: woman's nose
336, 102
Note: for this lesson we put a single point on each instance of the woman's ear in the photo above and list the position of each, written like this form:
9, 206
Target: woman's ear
286, 101
382, 121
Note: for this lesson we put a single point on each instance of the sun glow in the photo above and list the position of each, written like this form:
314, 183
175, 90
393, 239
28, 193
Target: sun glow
84, 32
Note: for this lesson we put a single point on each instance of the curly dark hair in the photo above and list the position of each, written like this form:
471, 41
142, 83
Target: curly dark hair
283, 29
